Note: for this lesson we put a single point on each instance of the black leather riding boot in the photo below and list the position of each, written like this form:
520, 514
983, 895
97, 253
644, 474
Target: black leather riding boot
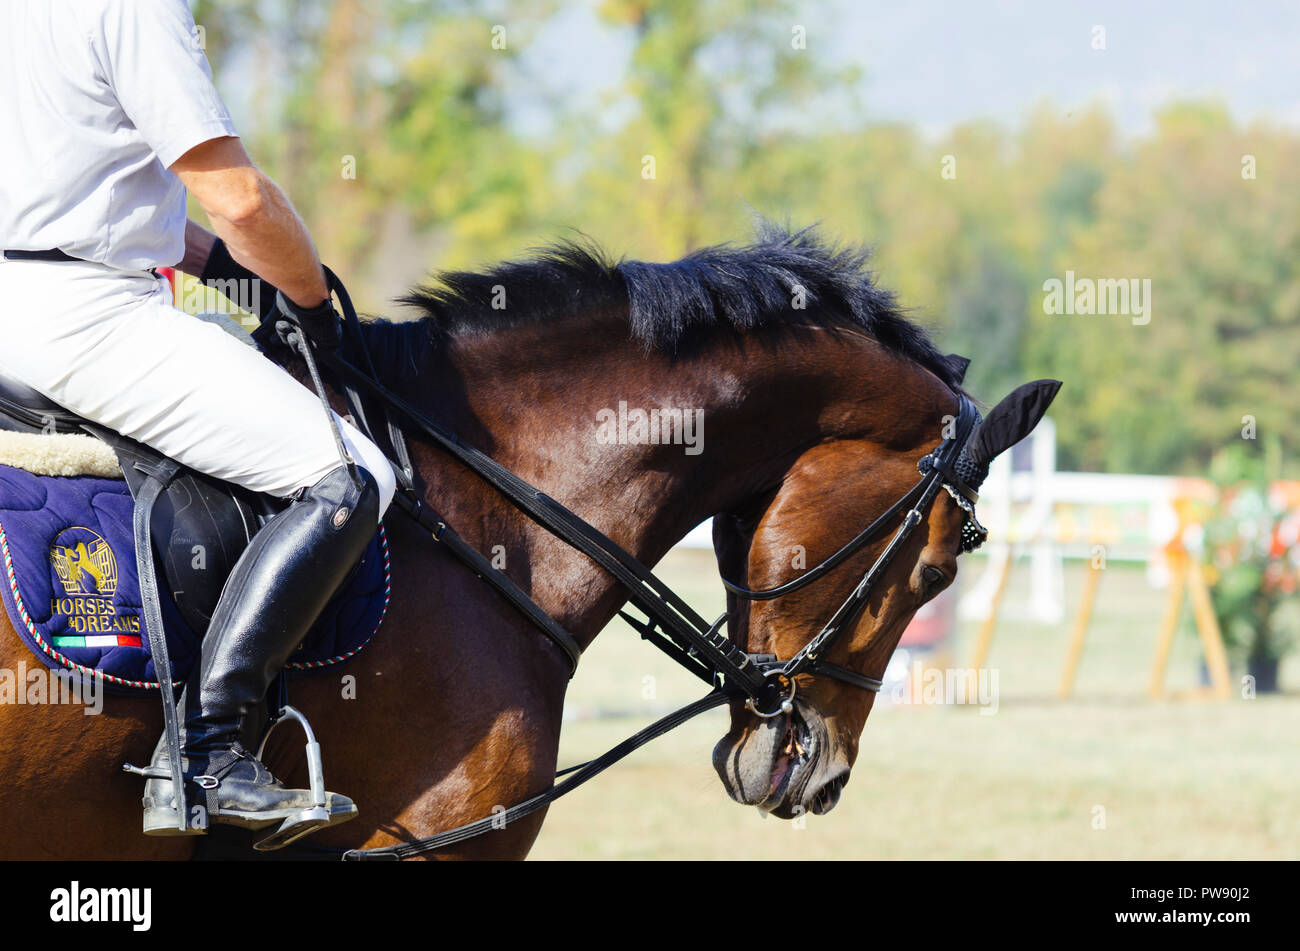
275, 592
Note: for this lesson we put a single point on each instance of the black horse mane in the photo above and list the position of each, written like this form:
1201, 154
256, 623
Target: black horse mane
669, 306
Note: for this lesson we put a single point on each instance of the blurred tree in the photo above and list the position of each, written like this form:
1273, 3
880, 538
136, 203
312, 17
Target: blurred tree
712, 86
387, 123
1223, 340
986, 321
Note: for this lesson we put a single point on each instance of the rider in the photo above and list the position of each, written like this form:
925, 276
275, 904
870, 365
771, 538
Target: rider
108, 115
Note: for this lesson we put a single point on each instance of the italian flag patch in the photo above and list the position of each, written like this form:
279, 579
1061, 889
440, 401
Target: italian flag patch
96, 640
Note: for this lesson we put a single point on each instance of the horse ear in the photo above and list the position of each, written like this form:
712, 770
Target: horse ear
1011, 420
958, 364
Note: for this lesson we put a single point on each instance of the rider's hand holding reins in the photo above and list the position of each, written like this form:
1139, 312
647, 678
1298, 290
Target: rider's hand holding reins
319, 324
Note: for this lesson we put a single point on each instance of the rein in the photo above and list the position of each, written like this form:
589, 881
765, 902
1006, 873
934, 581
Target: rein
671, 624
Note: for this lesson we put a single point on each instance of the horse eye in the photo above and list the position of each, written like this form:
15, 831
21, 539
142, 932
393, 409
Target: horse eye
932, 576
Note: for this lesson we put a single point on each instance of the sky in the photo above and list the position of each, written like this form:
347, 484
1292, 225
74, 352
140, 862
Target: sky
935, 64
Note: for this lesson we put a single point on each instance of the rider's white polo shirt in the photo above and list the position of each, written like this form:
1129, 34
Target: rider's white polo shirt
97, 99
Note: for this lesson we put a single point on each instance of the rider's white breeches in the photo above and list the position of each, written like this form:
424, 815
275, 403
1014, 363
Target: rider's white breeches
109, 345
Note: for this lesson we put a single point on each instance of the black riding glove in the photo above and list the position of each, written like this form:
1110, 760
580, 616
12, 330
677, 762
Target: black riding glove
319, 324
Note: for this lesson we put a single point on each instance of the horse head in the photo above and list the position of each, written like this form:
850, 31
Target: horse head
798, 760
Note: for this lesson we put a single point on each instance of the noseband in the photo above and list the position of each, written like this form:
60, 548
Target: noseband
947, 467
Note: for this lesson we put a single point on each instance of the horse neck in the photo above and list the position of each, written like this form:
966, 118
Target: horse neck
544, 399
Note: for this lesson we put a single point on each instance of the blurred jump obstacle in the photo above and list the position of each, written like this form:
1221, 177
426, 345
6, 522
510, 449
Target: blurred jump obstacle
1049, 516
1189, 576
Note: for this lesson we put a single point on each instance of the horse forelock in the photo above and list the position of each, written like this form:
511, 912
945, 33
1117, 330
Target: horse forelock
782, 279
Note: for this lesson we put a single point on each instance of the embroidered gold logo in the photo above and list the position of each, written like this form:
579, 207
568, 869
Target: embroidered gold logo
87, 568
84, 562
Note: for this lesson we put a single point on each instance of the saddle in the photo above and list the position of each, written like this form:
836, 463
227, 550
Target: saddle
182, 512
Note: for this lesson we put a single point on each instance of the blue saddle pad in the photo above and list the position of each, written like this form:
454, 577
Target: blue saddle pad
73, 593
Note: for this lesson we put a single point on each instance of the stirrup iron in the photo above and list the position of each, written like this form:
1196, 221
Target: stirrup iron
315, 816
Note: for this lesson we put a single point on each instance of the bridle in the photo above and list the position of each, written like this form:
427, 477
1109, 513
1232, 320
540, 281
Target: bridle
760, 680
941, 468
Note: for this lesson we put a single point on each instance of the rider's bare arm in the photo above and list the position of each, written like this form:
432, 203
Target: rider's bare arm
253, 217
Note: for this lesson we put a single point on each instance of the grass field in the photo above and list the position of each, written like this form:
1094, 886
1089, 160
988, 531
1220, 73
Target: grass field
1171, 780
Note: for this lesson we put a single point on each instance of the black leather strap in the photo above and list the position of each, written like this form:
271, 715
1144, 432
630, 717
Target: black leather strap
872, 533
472, 558
157, 478
847, 676
529, 806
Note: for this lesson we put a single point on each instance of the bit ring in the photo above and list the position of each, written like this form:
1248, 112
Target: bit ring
787, 703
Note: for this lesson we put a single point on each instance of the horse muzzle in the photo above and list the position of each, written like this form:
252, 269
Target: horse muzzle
786, 765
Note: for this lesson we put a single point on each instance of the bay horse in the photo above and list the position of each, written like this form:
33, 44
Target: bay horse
818, 398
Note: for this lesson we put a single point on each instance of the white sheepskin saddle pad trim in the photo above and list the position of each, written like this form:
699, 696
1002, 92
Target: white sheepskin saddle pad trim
59, 454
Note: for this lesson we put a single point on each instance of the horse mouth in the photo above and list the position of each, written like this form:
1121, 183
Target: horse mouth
828, 796
794, 748
783, 766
